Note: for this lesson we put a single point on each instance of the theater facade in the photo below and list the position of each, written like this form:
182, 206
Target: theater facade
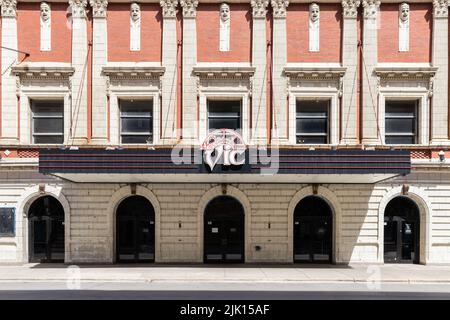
283, 132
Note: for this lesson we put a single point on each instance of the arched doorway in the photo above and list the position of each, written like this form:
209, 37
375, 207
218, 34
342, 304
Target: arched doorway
313, 231
224, 231
135, 230
401, 231
46, 230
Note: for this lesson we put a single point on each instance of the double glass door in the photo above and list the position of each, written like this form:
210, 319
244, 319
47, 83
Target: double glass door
400, 240
313, 239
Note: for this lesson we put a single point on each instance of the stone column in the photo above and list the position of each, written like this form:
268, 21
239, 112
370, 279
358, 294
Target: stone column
78, 130
439, 115
169, 79
258, 132
99, 60
369, 86
189, 100
9, 59
279, 46
350, 80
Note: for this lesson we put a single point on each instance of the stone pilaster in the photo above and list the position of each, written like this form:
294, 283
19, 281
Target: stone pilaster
280, 111
190, 123
369, 86
78, 128
99, 59
258, 133
439, 115
169, 79
350, 79
9, 59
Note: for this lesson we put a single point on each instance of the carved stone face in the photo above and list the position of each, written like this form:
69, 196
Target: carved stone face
135, 12
45, 11
314, 12
224, 12
404, 12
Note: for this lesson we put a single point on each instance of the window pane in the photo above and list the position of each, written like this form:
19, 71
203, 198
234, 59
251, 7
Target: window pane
312, 125
398, 125
312, 139
312, 108
400, 109
218, 123
48, 139
47, 108
224, 108
137, 139
400, 140
130, 125
140, 108
48, 125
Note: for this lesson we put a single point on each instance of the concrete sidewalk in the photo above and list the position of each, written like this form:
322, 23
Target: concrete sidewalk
229, 273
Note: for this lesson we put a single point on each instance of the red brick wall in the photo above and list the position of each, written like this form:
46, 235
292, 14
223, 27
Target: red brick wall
208, 28
419, 37
119, 33
297, 21
29, 33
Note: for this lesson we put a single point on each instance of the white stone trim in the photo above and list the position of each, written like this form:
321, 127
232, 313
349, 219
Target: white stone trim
23, 205
239, 196
327, 195
116, 199
425, 208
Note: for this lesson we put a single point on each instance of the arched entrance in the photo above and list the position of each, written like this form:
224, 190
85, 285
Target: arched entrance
46, 230
135, 230
224, 230
313, 231
401, 231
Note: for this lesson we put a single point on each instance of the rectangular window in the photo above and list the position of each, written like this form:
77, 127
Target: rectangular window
224, 115
136, 121
47, 121
7, 222
312, 121
401, 122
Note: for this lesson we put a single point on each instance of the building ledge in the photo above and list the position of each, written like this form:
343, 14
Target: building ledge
43, 69
405, 70
146, 70
225, 70
314, 70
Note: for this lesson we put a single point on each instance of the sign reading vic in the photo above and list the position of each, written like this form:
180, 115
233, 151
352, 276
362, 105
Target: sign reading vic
225, 147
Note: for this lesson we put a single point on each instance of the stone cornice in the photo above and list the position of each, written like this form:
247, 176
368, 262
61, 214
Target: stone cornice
99, 8
405, 71
42, 72
223, 71
133, 72
314, 73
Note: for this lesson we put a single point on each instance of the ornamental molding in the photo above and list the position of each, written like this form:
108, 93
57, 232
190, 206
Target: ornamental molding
279, 8
371, 8
99, 8
133, 73
440, 8
42, 72
314, 73
78, 8
189, 8
219, 72
350, 8
169, 8
259, 8
9, 8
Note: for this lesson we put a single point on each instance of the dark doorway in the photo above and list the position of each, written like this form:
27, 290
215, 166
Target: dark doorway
46, 230
224, 231
313, 231
135, 230
401, 231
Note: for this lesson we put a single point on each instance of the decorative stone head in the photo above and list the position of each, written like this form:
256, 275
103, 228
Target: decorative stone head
404, 12
314, 12
224, 12
45, 11
135, 12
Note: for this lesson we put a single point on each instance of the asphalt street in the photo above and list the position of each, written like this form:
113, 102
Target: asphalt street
185, 290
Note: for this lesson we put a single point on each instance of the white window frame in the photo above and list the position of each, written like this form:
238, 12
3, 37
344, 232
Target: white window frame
332, 96
26, 126
223, 95
328, 101
120, 120
117, 95
422, 132
207, 108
